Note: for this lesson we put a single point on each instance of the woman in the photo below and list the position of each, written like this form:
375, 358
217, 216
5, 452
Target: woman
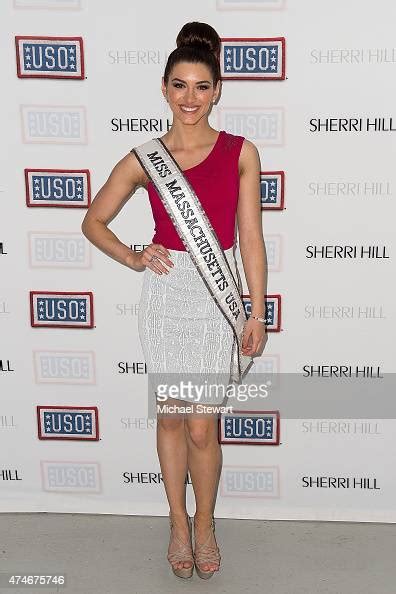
180, 327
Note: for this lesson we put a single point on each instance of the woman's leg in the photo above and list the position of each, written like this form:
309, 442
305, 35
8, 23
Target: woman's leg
172, 454
204, 463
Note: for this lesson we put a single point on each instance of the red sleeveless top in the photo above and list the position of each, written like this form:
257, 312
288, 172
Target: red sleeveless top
216, 183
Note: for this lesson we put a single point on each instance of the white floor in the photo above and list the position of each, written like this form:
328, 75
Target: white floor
127, 554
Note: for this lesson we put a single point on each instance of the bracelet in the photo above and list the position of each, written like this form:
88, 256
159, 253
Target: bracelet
259, 319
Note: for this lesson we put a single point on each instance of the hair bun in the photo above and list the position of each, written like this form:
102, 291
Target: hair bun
200, 35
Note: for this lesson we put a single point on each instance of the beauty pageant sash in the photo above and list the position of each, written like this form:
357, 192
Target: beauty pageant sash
201, 241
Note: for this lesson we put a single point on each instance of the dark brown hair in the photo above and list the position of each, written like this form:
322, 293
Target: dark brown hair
196, 42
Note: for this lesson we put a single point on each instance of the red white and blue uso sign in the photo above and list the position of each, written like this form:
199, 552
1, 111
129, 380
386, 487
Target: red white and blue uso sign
250, 427
61, 310
272, 304
58, 187
68, 422
49, 57
272, 190
253, 58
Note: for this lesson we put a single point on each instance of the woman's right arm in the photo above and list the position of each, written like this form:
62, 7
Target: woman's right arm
125, 178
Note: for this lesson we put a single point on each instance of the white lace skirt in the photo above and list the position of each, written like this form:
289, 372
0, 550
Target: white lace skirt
181, 328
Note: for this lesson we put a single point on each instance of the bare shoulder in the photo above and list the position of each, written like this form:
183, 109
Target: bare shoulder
130, 168
249, 156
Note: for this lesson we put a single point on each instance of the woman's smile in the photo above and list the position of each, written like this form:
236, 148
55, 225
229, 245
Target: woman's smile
187, 109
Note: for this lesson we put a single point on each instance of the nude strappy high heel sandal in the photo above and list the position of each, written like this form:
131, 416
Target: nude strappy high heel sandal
181, 552
205, 553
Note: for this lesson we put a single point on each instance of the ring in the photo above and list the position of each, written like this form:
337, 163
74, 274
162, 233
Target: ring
153, 258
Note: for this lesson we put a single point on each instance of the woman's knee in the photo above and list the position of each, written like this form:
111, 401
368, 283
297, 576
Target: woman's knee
202, 432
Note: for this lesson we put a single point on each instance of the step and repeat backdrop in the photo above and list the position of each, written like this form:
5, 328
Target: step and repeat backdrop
313, 86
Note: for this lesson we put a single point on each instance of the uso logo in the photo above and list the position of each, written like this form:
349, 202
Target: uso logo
68, 422
250, 481
58, 187
253, 58
64, 367
272, 311
55, 124
61, 310
49, 57
250, 427
58, 250
70, 477
274, 250
272, 190
265, 126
